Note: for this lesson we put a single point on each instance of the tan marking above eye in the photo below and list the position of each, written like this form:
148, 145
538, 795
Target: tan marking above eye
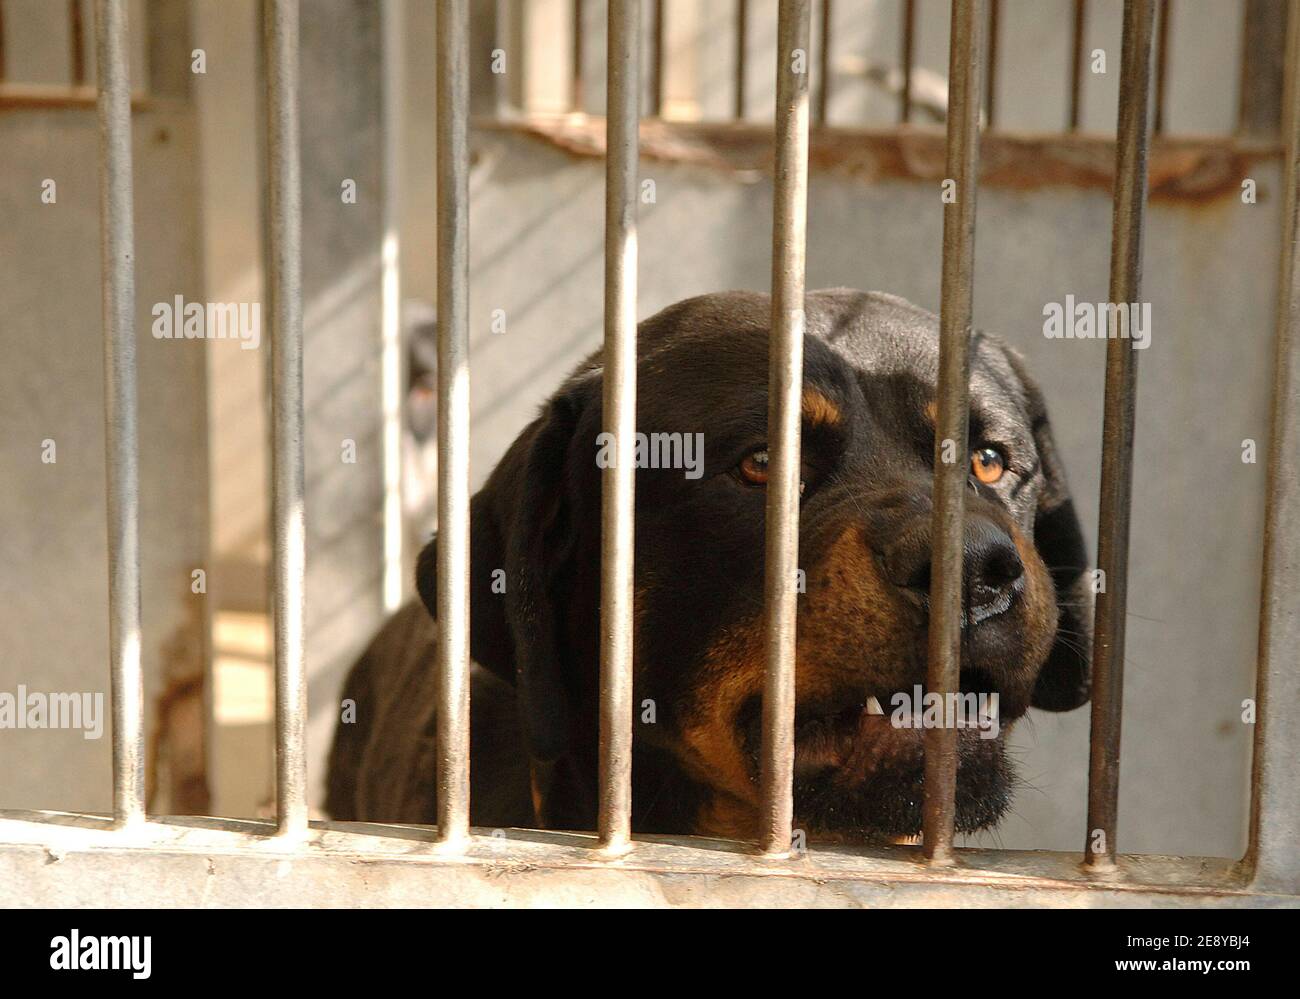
818, 410
987, 464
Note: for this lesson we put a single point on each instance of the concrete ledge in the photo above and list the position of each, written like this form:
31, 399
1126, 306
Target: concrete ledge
63, 860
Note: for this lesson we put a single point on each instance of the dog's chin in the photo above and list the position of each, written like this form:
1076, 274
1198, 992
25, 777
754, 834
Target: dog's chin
859, 777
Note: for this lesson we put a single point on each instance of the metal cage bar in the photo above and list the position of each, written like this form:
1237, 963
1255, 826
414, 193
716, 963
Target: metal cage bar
742, 36
117, 255
991, 68
1274, 853
577, 96
1077, 33
453, 421
907, 52
391, 15
1128, 218
618, 481
76, 43
657, 39
824, 63
284, 211
785, 385
1162, 65
951, 450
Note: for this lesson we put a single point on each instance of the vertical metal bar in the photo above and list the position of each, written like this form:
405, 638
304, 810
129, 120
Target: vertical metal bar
619, 419
657, 61
1076, 63
117, 256
951, 420
501, 27
284, 209
785, 385
453, 421
991, 69
392, 18
1128, 218
1263, 44
1274, 853
742, 36
77, 40
906, 55
576, 72
1162, 65
824, 64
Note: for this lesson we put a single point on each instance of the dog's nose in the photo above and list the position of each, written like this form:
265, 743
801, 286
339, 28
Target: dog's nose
992, 568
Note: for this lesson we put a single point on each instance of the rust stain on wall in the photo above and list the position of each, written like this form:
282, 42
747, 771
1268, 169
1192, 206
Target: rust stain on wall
1180, 169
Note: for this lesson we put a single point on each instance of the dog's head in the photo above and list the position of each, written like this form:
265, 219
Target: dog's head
870, 369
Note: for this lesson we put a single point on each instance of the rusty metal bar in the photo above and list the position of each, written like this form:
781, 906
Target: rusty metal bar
1076, 63
576, 103
622, 114
453, 421
657, 61
121, 417
1273, 856
824, 64
906, 55
785, 384
1128, 218
742, 34
952, 473
284, 212
1162, 65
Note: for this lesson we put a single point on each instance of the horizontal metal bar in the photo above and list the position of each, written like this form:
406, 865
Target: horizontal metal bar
951, 473
453, 420
1127, 225
169, 863
1274, 853
785, 387
284, 211
117, 256
617, 494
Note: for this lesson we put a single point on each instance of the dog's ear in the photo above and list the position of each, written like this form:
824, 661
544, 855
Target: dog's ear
1066, 678
522, 537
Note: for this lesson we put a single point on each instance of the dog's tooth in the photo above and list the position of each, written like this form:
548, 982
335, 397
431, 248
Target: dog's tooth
873, 707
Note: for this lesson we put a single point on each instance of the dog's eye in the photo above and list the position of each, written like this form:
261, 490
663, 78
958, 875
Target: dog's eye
987, 464
753, 468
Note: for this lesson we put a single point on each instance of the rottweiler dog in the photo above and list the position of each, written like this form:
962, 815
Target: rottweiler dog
868, 405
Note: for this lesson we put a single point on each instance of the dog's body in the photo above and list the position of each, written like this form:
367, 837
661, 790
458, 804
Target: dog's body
870, 364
